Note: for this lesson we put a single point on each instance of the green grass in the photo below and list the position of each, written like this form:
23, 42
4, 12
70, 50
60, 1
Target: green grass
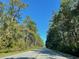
8, 52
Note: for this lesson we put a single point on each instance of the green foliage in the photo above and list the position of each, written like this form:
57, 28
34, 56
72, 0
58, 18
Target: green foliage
14, 35
63, 34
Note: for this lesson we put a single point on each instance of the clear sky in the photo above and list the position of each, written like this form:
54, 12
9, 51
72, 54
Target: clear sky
41, 11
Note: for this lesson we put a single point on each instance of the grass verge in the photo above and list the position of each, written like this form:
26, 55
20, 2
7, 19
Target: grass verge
8, 52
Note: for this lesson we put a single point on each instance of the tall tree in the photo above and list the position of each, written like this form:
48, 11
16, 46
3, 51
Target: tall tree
15, 6
63, 32
13, 35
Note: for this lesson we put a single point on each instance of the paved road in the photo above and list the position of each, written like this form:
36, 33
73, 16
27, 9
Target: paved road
43, 53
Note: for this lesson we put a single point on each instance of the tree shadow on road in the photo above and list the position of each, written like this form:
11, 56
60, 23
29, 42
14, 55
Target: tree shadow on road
21, 58
54, 53
47, 51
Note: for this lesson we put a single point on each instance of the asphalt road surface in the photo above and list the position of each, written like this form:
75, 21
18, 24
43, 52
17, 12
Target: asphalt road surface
43, 53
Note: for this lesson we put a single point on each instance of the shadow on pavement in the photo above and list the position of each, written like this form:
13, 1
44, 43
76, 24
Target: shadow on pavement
20, 58
46, 51
55, 53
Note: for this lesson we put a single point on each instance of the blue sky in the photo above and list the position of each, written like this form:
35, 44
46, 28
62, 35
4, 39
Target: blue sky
40, 11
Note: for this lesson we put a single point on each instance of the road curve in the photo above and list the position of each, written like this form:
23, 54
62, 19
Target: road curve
43, 53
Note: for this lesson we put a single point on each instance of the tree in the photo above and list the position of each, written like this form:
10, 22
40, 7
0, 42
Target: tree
28, 23
13, 35
63, 32
15, 6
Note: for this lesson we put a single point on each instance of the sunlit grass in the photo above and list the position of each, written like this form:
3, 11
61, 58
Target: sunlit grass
6, 52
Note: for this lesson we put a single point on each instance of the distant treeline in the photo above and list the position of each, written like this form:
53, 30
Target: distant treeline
63, 34
15, 35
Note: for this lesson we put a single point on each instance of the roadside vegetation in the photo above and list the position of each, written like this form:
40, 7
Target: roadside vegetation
63, 34
16, 36
9, 52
